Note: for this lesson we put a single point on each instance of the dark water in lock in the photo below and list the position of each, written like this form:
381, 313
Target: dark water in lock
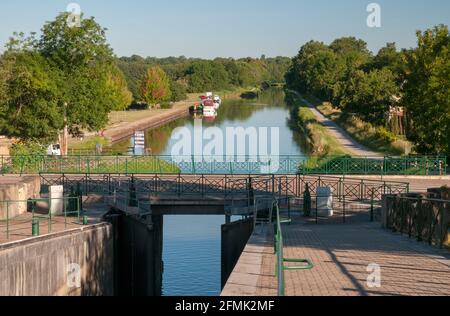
191, 255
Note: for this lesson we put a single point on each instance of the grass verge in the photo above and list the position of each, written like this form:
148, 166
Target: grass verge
377, 138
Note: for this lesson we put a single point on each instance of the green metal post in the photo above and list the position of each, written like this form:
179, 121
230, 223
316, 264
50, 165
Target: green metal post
193, 165
35, 229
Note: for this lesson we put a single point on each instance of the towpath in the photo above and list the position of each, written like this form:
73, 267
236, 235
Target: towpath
349, 144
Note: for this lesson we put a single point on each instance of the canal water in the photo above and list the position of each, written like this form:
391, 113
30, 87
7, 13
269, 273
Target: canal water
269, 110
191, 244
191, 255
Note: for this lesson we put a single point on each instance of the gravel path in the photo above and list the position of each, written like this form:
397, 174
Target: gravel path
350, 145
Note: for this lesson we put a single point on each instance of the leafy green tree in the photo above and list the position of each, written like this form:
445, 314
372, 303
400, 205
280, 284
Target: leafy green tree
370, 94
155, 87
207, 75
65, 80
389, 57
315, 70
353, 51
120, 95
427, 91
134, 72
29, 97
84, 59
178, 91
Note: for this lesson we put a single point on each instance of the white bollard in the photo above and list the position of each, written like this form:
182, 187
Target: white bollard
56, 200
325, 201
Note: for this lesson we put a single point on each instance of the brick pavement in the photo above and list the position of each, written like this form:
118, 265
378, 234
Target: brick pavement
341, 254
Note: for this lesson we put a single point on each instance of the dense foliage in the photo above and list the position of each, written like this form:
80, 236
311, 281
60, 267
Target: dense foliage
197, 75
368, 86
67, 77
427, 91
155, 86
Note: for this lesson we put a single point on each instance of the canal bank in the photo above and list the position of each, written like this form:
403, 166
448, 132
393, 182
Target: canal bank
123, 128
126, 130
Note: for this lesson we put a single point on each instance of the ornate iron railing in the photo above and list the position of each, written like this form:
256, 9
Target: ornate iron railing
226, 185
95, 164
425, 219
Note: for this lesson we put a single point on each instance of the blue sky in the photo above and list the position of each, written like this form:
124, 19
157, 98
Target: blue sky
232, 28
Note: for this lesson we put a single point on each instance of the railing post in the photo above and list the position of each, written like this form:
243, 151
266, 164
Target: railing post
203, 185
273, 185
35, 227
362, 191
193, 165
344, 206
372, 206
7, 220
317, 209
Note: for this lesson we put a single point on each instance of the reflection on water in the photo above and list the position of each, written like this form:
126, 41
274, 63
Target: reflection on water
268, 110
191, 254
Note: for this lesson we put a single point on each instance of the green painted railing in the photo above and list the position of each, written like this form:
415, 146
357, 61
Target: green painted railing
23, 218
281, 261
95, 164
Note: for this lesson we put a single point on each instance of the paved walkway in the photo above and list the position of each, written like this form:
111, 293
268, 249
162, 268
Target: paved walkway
341, 254
352, 146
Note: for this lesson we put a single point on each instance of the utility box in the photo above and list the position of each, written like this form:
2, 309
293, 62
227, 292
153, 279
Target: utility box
56, 199
325, 202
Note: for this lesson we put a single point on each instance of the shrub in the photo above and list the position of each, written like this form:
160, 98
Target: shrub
385, 135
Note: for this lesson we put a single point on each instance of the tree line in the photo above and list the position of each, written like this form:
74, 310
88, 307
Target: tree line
188, 75
360, 83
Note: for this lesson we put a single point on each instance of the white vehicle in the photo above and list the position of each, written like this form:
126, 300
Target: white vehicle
54, 150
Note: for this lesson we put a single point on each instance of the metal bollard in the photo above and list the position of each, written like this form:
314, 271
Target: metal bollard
35, 229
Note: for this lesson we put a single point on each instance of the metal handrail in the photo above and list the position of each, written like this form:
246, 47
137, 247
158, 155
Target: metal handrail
228, 186
279, 252
215, 165
423, 218
9, 222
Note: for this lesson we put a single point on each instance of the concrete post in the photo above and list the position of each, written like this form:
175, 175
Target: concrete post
56, 200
